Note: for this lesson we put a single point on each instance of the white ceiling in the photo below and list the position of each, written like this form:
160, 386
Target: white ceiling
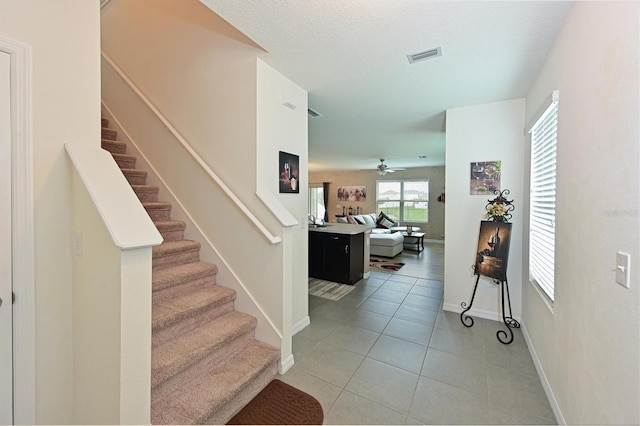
350, 55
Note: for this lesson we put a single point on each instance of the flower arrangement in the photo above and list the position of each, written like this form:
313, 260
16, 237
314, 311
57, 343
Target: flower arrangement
499, 209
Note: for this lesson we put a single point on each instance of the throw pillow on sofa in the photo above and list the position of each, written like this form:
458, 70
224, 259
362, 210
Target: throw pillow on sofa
368, 220
386, 221
359, 219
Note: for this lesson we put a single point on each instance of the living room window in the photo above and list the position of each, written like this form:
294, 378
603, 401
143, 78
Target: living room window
542, 210
407, 200
316, 201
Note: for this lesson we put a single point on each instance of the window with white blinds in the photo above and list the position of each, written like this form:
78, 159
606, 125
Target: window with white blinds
542, 219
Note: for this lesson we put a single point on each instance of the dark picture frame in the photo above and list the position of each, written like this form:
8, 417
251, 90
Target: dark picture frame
492, 253
289, 173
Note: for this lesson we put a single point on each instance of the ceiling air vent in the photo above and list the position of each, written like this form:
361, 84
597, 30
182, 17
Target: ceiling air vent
313, 114
427, 54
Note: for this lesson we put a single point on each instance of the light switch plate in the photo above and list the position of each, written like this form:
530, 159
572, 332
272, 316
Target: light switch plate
623, 263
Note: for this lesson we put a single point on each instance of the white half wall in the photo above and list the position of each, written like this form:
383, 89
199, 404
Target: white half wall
281, 128
588, 341
481, 133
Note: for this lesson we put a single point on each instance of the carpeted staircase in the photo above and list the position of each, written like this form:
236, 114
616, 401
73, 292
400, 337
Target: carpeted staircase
205, 364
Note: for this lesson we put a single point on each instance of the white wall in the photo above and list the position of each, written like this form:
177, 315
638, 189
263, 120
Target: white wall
481, 133
65, 39
588, 342
200, 72
283, 129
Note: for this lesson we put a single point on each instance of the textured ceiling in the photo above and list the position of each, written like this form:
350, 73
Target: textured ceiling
350, 55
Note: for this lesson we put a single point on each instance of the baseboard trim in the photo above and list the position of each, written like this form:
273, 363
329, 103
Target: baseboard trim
543, 377
366, 275
480, 313
286, 364
495, 316
301, 325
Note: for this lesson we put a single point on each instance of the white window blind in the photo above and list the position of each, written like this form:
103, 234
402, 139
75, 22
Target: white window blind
544, 137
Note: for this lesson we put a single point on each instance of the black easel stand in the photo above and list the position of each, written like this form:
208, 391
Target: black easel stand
508, 320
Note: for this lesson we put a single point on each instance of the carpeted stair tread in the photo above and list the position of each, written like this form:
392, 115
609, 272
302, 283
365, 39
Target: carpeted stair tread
125, 161
109, 134
114, 147
104, 122
213, 386
173, 247
181, 274
136, 172
156, 205
176, 355
166, 312
170, 225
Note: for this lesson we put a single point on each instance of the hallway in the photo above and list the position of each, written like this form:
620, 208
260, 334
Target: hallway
386, 353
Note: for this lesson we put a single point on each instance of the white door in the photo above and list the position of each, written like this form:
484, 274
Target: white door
6, 285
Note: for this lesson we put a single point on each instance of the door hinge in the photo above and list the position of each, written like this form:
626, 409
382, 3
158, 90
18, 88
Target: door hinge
13, 298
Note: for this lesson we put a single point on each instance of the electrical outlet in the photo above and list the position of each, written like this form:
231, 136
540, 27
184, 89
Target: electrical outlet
623, 264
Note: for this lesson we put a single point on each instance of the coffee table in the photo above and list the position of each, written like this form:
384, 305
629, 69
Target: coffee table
418, 239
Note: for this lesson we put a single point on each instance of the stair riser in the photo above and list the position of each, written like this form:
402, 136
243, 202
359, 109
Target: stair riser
104, 122
114, 147
159, 214
215, 355
165, 286
182, 326
147, 197
175, 260
109, 134
223, 414
172, 235
136, 179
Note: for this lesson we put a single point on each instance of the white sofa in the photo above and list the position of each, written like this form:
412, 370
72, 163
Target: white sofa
386, 244
383, 241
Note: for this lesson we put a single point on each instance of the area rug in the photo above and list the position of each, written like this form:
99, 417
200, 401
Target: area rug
384, 264
328, 290
280, 404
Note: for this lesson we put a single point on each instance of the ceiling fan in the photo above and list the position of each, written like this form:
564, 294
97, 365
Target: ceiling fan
383, 169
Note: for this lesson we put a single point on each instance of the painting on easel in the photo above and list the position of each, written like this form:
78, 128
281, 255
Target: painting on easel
492, 253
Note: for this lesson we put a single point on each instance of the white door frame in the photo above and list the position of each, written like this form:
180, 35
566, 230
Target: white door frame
24, 371
6, 252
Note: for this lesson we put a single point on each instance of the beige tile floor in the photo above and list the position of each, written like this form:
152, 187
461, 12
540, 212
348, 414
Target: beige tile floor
387, 353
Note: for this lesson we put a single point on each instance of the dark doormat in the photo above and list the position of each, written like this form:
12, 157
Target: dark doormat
280, 404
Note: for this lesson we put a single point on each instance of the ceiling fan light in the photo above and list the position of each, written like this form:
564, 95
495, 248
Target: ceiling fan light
382, 172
